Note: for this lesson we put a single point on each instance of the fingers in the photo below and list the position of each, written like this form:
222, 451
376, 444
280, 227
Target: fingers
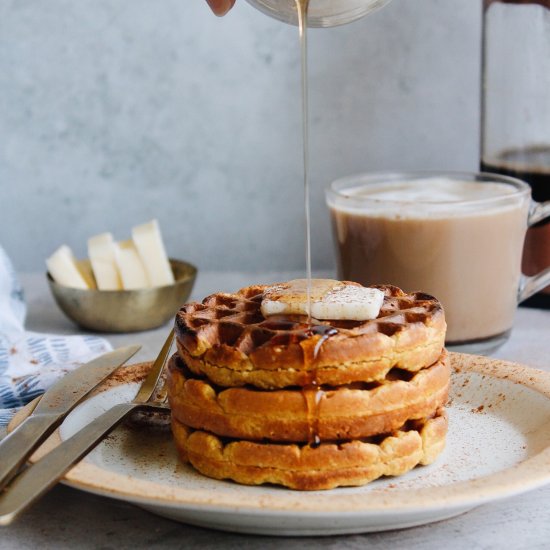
220, 7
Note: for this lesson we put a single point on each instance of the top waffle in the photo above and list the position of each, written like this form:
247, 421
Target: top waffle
227, 339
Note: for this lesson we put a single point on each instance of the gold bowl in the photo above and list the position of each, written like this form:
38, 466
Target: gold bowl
126, 310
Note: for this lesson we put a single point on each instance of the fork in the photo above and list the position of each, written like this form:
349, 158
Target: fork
33, 482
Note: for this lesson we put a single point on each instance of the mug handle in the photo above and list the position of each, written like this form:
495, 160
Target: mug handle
529, 285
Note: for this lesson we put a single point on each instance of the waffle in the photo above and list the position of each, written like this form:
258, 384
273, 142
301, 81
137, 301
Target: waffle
305, 467
347, 412
308, 405
227, 339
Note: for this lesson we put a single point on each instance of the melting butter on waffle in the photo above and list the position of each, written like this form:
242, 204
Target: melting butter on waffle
328, 298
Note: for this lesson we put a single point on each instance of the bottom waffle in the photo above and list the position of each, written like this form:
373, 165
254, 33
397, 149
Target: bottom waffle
304, 467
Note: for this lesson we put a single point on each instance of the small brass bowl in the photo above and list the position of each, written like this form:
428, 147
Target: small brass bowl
126, 310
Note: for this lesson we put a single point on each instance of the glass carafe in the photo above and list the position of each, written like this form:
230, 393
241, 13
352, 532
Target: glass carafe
321, 13
515, 126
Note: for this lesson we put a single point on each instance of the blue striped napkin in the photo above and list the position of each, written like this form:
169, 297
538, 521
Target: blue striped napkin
31, 362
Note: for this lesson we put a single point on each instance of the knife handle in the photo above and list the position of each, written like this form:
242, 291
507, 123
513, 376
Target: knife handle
16, 447
38, 478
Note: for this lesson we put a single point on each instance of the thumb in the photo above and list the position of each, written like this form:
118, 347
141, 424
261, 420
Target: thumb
220, 7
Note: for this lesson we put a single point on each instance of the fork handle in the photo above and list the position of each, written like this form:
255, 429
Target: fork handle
33, 482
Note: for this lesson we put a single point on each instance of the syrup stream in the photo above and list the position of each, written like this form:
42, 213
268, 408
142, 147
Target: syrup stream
302, 7
312, 393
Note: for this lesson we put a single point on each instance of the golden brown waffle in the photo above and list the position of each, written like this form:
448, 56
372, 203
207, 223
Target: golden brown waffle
227, 339
346, 412
304, 467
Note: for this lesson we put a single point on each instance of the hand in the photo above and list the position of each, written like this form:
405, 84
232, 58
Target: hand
220, 7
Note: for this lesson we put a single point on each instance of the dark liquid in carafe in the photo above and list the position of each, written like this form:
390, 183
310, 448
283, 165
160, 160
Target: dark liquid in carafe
532, 165
543, 3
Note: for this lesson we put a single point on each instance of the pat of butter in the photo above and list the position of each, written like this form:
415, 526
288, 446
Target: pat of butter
329, 299
148, 241
129, 264
63, 268
348, 302
101, 251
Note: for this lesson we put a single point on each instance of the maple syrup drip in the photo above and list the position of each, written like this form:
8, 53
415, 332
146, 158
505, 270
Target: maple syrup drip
313, 393
295, 331
313, 396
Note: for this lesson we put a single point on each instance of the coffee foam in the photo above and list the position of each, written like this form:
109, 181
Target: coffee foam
428, 197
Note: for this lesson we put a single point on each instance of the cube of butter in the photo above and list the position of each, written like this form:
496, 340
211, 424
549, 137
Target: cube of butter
148, 241
64, 270
130, 266
101, 251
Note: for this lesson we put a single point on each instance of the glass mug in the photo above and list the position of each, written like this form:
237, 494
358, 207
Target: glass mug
456, 236
321, 13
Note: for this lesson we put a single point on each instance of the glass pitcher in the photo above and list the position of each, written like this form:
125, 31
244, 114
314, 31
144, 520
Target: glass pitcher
321, 13
515, 126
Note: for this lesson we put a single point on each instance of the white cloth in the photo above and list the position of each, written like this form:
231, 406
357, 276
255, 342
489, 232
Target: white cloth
30, 362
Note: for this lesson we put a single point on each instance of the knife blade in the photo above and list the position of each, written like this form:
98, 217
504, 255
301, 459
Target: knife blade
54, 405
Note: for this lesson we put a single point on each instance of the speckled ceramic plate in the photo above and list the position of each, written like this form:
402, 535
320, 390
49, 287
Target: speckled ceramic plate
498, 446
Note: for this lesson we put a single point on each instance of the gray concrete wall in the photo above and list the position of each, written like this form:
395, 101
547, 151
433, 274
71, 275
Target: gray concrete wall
113, 112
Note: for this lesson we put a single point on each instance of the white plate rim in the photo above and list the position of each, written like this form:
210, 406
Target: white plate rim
530, 474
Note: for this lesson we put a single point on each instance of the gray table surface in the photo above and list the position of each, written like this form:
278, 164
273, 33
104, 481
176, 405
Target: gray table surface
68, 518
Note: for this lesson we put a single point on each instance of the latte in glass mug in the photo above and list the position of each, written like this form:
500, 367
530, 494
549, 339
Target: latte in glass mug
458, 237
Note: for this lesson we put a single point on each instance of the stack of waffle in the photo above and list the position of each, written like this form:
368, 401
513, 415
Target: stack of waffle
308, 404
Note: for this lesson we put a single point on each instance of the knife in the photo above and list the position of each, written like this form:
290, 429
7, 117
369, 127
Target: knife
38, 478
52, 408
